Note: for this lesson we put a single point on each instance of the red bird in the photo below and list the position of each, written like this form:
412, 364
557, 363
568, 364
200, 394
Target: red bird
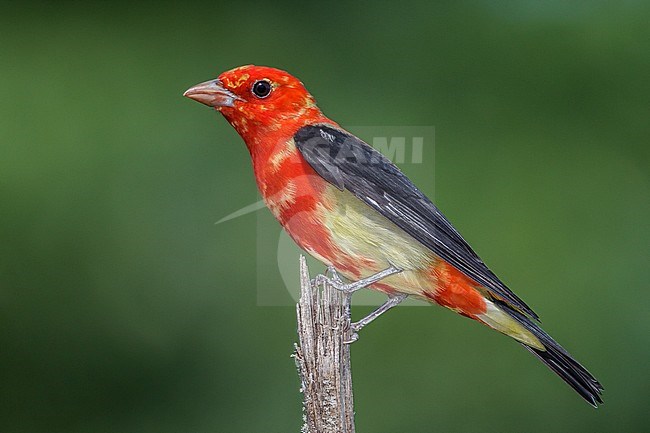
351, 208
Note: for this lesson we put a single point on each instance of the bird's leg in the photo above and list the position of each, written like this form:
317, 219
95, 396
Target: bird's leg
336, 282
393, 300
349, 288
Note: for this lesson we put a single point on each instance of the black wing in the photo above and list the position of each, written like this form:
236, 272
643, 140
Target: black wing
350, 164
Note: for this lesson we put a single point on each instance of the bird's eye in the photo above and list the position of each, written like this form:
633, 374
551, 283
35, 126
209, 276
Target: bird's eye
262, 89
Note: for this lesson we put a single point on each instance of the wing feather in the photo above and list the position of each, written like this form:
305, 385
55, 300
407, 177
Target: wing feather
350, 164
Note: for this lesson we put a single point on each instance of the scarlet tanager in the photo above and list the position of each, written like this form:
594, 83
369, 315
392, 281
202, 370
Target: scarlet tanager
351, 208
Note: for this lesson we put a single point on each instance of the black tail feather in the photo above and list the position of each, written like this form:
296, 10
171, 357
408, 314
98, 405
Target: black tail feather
560, 361
571, 372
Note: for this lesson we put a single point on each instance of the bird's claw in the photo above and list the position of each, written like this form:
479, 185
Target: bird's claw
353, 337
332, 278
392, 301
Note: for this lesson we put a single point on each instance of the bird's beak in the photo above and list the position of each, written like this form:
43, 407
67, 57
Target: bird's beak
213, 94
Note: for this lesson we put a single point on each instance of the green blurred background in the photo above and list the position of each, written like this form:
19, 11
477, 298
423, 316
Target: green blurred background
124, 308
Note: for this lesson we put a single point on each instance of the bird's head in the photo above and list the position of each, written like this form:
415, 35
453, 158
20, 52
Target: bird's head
257, 100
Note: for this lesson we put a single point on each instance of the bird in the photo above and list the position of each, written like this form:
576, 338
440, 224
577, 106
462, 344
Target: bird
351, 208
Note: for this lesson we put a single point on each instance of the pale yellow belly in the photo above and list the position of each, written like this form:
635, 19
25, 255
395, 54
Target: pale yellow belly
373, 242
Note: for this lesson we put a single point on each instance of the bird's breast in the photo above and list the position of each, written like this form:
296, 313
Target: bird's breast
337, 228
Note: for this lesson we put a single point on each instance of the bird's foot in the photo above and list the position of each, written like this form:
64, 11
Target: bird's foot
353, 337
332, 278
393, 300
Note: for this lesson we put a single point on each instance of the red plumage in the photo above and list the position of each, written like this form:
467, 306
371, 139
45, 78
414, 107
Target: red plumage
362, 214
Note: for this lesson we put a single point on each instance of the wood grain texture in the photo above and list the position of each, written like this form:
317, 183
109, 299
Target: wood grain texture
323, 356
